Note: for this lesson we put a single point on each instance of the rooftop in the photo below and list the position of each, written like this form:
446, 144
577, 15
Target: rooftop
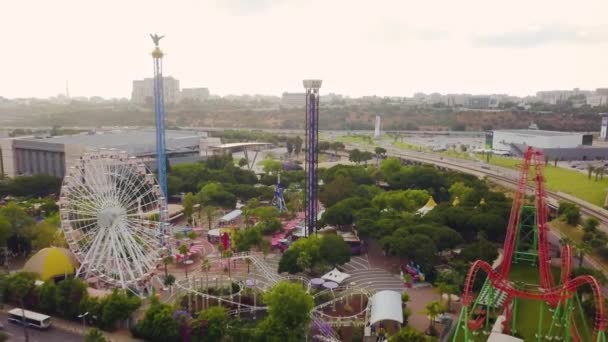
536, 132
135, 142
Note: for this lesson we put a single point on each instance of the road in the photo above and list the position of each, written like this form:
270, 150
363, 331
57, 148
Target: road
15, 332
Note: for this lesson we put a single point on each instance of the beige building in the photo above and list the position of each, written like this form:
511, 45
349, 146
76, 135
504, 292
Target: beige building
143, 90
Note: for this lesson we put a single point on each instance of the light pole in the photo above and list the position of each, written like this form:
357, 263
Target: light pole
84, 323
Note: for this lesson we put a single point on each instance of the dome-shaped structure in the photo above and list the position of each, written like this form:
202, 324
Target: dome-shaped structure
51, 262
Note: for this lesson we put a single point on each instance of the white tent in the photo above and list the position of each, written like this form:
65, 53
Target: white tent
335, 276
498, 337
386, 305
430, 204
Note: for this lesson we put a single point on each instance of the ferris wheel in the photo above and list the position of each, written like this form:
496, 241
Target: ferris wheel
108, 202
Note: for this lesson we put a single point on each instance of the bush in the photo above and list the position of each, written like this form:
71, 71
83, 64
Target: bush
572, 215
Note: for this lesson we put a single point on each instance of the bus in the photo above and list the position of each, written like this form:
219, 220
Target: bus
33, 319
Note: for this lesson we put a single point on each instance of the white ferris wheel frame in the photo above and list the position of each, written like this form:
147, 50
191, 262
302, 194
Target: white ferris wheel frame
106, 202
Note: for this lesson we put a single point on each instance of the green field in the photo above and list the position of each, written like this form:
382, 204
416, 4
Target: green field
571, 182
357, 139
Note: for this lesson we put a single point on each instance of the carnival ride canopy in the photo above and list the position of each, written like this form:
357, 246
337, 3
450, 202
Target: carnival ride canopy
335, 276
386, 305
51, 262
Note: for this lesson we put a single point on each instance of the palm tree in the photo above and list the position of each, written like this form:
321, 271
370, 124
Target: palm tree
449, 290
167, 260
432, 310
210, 213
20, 287
248, 262
590, 169
205, 267
582, 249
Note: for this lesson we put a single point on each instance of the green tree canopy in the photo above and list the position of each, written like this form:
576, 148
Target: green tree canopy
289, 307
333, 250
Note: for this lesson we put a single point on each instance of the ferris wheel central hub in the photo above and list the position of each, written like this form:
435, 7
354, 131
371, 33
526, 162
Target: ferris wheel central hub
108, 217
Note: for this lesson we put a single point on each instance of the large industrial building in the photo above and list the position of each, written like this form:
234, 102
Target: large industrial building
503, 139
555, 145
51, 156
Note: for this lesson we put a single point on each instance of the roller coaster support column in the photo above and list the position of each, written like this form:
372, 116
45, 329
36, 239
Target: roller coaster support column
312, 153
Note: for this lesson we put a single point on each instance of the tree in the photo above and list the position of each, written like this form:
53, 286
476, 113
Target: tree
188, 204
354, 156
18, 220
212, 323
460, 190
590, 170
243, 162
169, 280
324, 146
449, 290
333, 250
379, 152
479, 250
432, 310
338, 189
205, 267
304, 261
167, 260
214, 194
581, 249
416, 247
70, 293
20, 285
337, 146
297, 145
591, 224
94, 335
271, 166
289, 307
117, 307
408, 334
210, 212
158, 324
6, 230
41, 235
572, 215
289, 145
47, 295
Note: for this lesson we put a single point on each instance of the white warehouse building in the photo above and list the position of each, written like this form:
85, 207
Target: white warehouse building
503, 140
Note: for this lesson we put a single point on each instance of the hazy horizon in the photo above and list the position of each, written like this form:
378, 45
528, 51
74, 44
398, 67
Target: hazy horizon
384, 48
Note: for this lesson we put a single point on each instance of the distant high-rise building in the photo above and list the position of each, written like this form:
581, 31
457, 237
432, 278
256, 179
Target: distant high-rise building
195, 94
293, 99
143, 90
604, 129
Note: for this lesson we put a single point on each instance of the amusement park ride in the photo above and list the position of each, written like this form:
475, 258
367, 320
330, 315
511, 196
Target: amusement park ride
495, 309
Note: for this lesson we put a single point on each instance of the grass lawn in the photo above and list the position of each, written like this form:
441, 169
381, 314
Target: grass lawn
357, 139
576, 234
571, 182
408, 146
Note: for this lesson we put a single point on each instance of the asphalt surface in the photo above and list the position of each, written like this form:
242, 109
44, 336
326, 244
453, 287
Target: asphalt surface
15, 333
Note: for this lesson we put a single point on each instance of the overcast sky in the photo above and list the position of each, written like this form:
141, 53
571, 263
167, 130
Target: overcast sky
380, 47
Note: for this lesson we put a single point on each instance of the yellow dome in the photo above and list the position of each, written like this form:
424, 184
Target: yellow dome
51, 262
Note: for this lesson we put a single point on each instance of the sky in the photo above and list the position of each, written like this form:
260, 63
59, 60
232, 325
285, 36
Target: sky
380, 47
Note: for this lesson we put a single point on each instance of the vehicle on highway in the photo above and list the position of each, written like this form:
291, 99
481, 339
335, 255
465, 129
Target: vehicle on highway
32, 319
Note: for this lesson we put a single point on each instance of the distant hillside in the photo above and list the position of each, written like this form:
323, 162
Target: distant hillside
353, 117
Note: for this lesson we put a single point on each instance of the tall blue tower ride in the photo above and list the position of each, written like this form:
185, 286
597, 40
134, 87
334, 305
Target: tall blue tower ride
312, 153
161, 157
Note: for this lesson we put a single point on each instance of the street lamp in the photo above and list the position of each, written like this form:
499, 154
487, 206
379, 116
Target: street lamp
83, 316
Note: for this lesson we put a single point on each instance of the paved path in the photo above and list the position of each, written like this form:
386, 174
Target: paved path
372, 279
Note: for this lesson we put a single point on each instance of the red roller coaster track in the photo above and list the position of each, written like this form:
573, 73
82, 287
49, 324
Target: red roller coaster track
547, 291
